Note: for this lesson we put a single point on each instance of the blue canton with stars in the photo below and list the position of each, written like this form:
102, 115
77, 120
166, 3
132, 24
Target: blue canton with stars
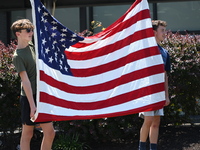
53, 38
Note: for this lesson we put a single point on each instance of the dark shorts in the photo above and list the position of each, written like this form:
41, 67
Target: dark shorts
25, 111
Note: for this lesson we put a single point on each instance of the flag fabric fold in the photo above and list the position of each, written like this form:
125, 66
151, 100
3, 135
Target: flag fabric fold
116, 72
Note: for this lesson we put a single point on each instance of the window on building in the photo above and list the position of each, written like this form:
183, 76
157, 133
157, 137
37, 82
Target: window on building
180, 16
69, 17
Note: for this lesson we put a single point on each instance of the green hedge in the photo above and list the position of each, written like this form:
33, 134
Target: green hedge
184, 78
9, 97
9, 90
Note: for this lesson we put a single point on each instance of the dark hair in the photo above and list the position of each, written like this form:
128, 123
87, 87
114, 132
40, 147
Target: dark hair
157, 23
21, 24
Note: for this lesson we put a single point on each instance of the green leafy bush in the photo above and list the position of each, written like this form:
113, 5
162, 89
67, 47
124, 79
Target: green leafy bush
103, 130
184, 78
67, 142
9, 92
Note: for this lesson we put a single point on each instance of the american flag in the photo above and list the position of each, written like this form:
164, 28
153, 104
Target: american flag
116, 72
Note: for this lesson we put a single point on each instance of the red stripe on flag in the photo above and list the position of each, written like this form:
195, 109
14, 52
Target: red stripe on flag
103, 86
110, 48
124, 16
144, 14
120, 99
49, 117
115, 64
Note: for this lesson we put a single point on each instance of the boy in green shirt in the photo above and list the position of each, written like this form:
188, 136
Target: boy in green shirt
25, 64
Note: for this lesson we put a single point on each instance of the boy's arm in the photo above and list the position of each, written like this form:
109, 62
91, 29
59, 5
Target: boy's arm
28, 90
166, 90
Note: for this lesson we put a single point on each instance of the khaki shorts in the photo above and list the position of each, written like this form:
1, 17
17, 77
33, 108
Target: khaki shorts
158, 112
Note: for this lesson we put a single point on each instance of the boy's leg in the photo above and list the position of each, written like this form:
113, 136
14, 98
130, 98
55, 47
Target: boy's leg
144, 131
48, 135
27, 134
154, 130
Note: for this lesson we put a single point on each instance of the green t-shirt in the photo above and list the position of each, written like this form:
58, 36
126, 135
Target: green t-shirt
24, 60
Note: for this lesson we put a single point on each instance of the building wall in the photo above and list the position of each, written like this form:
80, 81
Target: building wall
3, 26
